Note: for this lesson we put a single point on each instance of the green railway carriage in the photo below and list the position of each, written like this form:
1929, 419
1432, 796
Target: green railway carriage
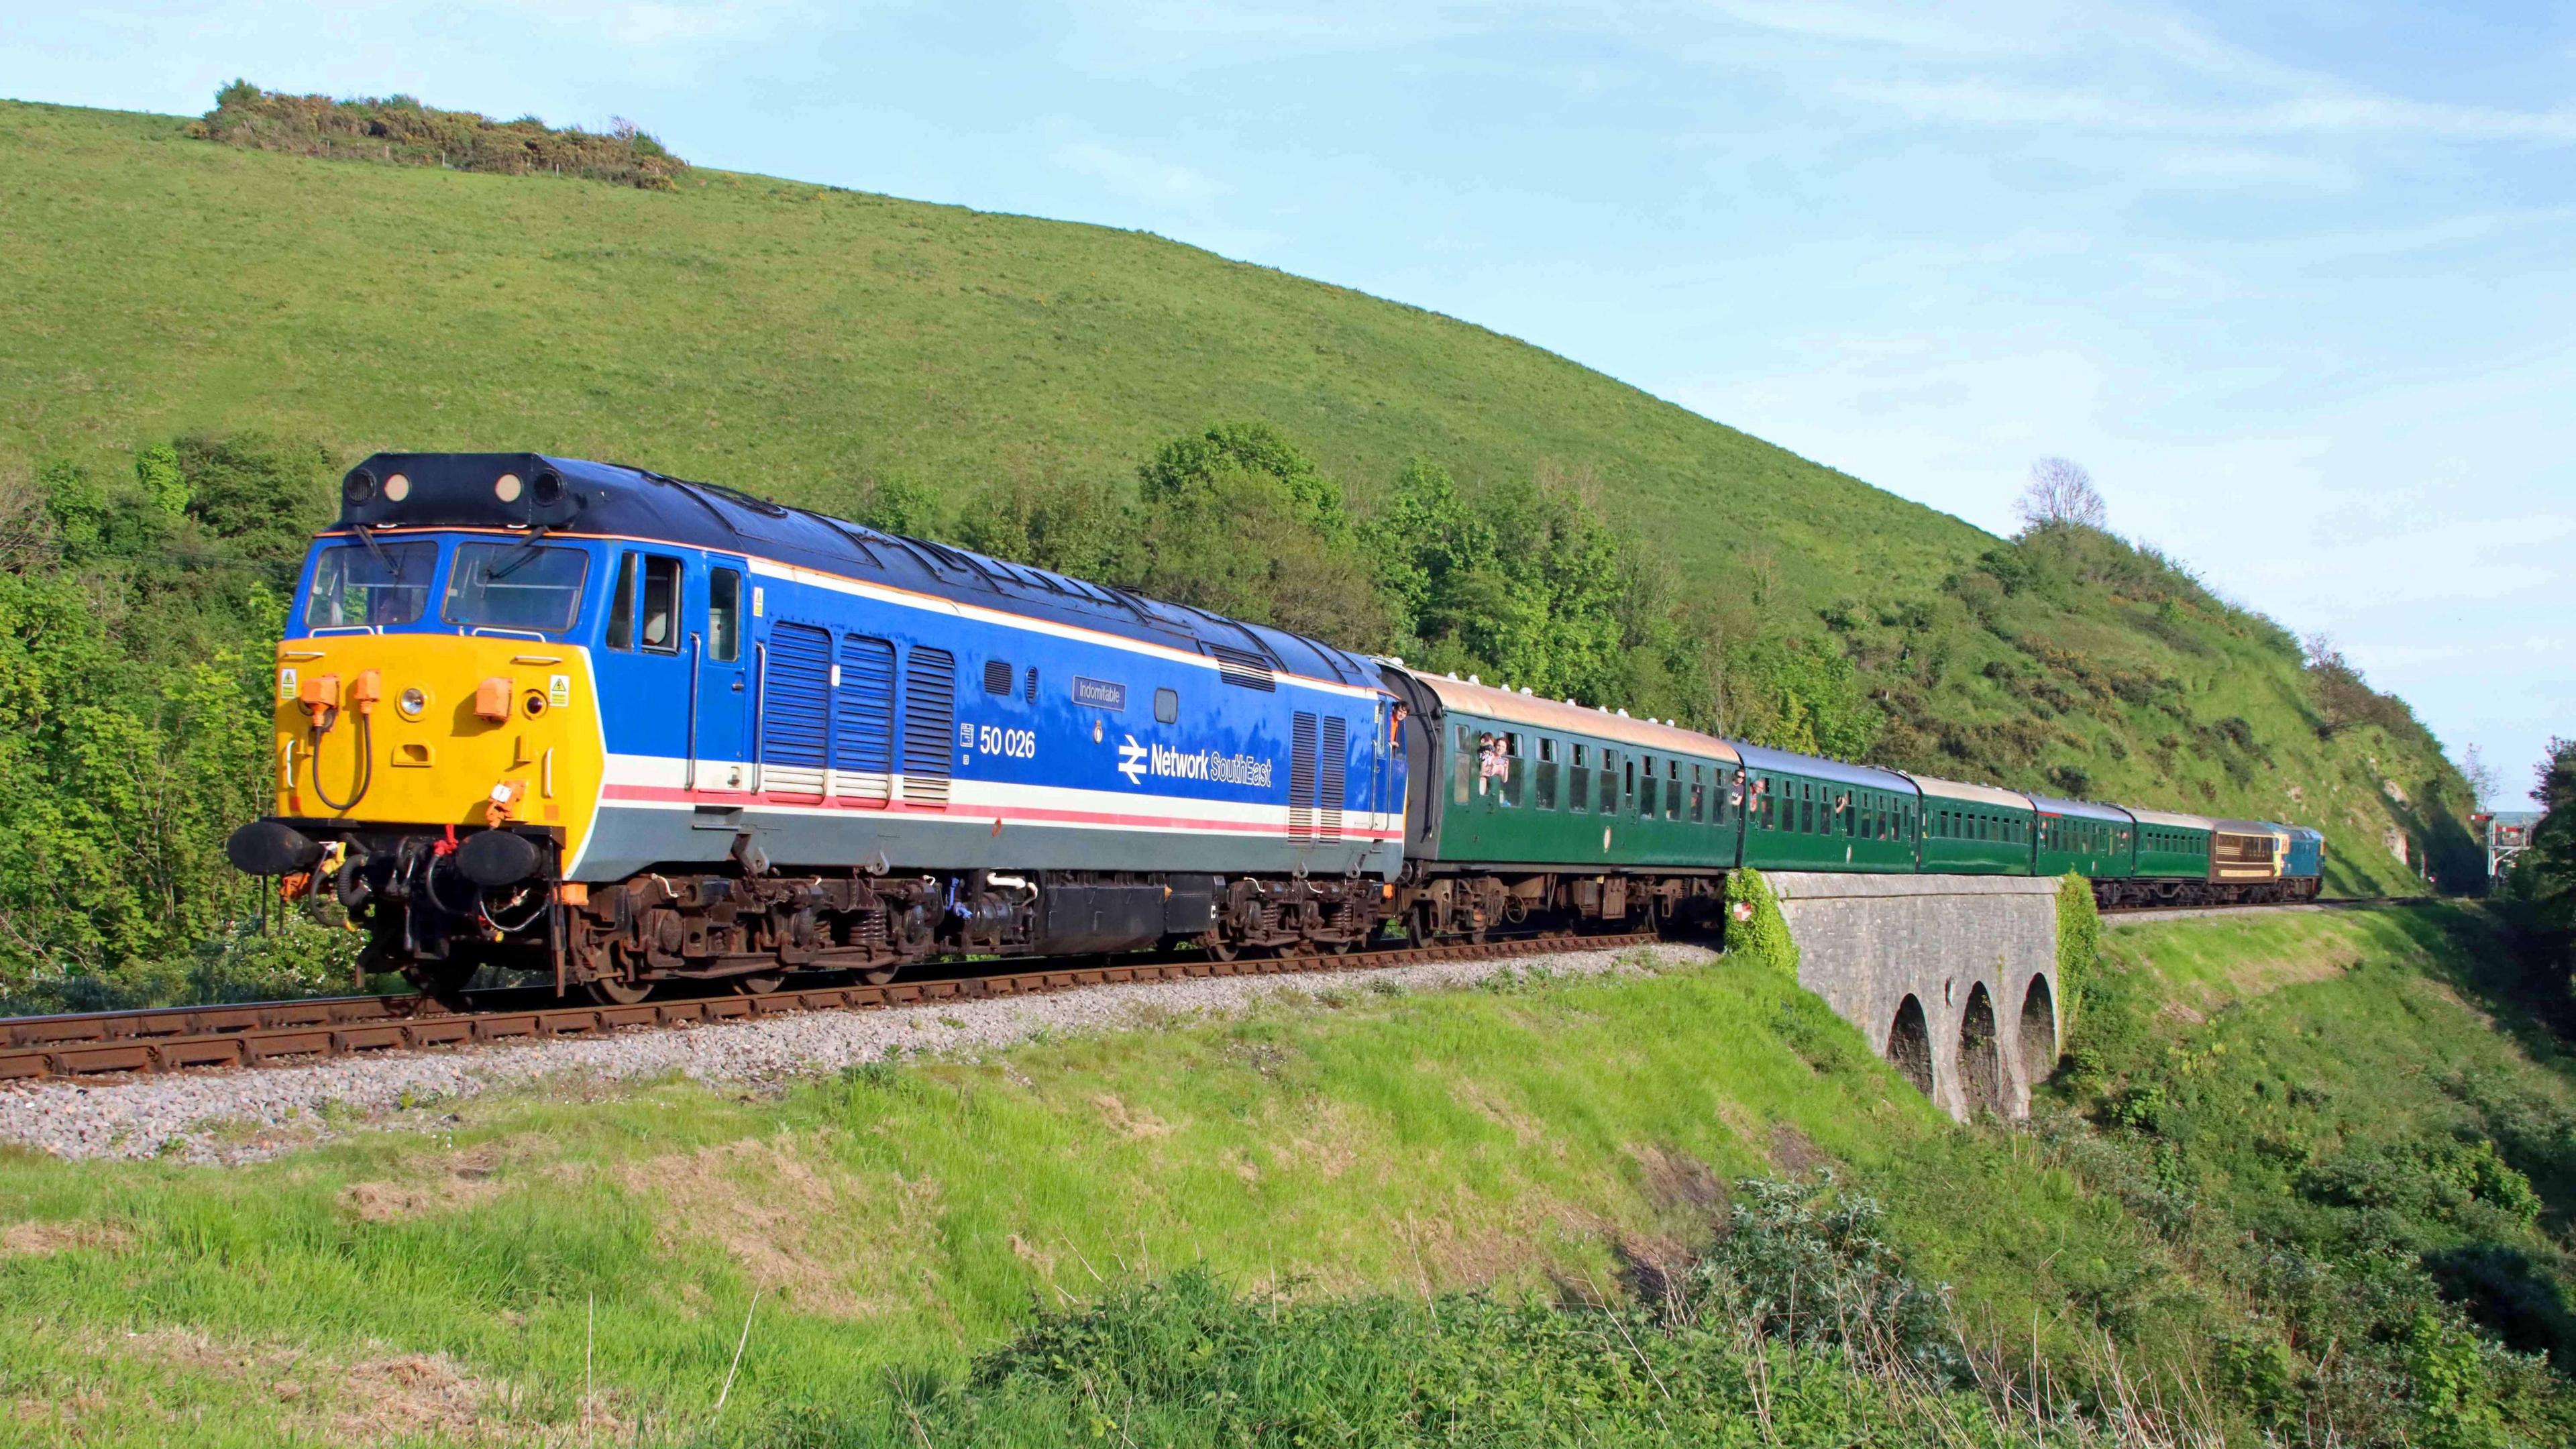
2098, 842
1516, 780
1804, 813
2170, 863
1974, 829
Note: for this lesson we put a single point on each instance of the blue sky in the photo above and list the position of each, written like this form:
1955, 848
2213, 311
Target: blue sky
2296, 281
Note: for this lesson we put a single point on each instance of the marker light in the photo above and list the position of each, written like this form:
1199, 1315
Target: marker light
412, 702
506, 488
397, 488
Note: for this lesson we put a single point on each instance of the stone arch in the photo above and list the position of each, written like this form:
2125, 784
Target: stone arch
2039, 1029
1981, 1060
1909, 1045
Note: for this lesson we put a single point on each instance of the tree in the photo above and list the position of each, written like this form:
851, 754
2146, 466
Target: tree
2060, 494
2343, 698
900, 507
1236, 520
2480, 775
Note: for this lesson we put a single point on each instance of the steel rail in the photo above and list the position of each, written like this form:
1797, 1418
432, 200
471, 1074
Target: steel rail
256, 1034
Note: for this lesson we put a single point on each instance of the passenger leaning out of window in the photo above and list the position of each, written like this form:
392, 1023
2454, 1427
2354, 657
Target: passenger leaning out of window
1494, 762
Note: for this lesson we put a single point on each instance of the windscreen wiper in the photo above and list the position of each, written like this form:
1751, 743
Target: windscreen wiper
392, 570
517, 558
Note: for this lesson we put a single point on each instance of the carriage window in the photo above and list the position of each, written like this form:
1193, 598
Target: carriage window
724, 615
1698, 796
1167, 706
521, 586
352, 588
1547, 768
1513, 774
1578, 784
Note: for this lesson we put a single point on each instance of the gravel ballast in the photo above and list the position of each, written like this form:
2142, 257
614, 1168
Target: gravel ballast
228, 1116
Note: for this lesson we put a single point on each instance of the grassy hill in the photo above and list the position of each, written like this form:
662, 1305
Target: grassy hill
2307, 1177
826, 346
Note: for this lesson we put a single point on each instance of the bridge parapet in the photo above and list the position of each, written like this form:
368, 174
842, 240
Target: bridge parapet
1952, 977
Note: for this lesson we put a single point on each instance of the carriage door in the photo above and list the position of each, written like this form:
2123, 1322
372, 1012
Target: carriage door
1380, 755
719, 726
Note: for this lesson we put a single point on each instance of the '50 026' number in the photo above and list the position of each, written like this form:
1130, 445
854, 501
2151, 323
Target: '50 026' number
1010, 744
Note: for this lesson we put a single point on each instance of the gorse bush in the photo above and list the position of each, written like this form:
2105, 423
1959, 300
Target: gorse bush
401, 131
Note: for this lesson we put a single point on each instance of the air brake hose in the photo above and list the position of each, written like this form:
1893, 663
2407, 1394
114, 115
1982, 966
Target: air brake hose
366, 771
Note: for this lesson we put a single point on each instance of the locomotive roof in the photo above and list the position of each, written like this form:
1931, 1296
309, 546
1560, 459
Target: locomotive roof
2081, 809
1762, 757
2246, 827
1548, 714
1980, 794
577, 497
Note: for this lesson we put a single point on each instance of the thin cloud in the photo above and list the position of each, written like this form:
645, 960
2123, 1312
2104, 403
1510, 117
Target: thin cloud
1988, 103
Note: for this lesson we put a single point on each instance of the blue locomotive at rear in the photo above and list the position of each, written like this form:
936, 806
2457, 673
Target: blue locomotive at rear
739, 739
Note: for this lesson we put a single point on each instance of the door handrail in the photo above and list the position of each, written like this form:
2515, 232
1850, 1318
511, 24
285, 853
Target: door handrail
691, 783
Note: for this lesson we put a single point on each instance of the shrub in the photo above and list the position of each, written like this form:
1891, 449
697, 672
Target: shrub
2079, 945
399, 130
1755, 929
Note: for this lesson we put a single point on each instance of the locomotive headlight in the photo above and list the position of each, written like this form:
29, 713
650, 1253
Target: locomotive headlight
413, 701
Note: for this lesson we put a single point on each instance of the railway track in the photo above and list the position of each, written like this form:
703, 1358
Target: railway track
255, 1034
2338, 903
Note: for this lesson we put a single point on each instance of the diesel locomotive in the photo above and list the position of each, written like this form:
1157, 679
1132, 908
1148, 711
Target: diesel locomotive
621, 729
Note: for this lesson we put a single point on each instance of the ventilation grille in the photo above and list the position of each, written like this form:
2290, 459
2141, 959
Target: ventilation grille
795, 710
1329, 779
1243, 667
863, 721
1301, 778
929, 713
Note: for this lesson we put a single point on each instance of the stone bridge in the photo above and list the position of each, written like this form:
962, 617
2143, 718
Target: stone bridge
1952, 977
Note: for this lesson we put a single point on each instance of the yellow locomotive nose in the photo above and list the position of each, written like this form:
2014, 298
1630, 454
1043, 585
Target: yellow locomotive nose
482, 732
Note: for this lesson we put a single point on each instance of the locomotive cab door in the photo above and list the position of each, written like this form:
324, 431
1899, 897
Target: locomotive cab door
720, 709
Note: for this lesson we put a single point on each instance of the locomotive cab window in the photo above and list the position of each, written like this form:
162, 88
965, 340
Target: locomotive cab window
353, 588
517, 586
724, 615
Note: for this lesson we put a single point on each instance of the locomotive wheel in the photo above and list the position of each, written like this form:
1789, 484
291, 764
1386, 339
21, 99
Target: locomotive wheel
610, 992
1218, 947
880, 976
759, 983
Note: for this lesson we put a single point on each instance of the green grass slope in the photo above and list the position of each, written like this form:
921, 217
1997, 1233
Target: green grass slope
2262, 1182
811, 343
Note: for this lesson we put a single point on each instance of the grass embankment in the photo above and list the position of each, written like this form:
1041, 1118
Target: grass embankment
908, 1217
2261, 1181
810, 343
